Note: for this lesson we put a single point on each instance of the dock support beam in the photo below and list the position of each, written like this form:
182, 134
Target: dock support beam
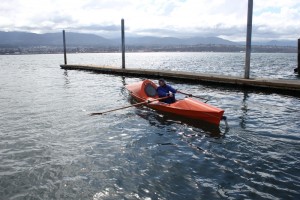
65, 49
248, 39
123, 43
299, 56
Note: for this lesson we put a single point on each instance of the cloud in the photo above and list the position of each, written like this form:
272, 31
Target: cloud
279, 20
273, 19
101, 28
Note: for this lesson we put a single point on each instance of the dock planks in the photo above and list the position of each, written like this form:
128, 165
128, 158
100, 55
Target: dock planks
276, 85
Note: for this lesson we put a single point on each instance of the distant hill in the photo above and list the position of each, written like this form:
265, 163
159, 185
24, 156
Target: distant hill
171, 41
208, 40
151, 41
81, 39
23, 42
51, 39
280, 43
292, 43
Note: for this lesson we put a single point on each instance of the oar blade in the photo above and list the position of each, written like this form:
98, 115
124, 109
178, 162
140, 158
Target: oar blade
93, 114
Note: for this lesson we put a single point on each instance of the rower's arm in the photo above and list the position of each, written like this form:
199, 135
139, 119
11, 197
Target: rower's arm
161, 92
171, 89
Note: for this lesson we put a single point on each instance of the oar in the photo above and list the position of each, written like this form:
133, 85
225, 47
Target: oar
136, 104
191, 95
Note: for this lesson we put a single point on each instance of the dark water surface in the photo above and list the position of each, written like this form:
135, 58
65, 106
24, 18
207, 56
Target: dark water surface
50, 148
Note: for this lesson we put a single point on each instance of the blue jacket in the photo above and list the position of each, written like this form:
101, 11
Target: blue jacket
163, 91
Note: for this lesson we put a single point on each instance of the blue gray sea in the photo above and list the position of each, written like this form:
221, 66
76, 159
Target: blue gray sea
50, 148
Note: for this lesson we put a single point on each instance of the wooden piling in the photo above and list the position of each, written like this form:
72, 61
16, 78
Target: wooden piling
123, 43
248, 39
65, 49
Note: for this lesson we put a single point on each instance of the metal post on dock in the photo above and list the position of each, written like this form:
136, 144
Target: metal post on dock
299, 56
65, 49
248, 39
123, 43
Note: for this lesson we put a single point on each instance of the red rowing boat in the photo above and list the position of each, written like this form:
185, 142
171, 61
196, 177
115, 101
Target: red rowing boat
187, 107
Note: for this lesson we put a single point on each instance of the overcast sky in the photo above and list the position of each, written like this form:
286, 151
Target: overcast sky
272, 19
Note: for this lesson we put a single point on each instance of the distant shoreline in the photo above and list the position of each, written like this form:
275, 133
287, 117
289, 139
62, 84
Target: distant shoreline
140, 49
52, 43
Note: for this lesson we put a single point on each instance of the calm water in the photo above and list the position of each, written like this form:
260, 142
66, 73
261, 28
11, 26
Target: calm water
263, 65
50, 148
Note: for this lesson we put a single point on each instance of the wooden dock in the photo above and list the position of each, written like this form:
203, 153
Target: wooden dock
272, 85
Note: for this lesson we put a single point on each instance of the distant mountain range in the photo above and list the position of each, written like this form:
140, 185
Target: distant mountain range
16, 39
51, 39
280, 43
171, 41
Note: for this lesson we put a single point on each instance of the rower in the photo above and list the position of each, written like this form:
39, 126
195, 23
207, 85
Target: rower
164, 90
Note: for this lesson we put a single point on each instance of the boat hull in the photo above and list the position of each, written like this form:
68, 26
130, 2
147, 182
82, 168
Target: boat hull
188, 107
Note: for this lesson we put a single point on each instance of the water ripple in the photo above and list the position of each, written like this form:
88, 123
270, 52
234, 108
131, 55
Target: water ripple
50, 148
